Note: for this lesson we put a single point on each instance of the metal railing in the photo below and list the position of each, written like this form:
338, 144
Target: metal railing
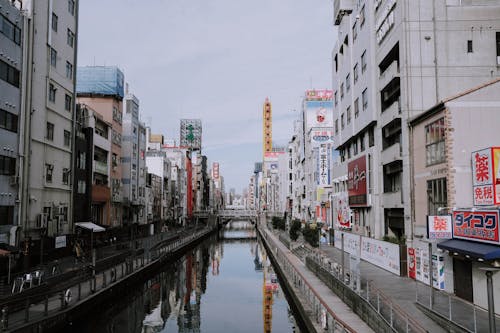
389, 311
320, 310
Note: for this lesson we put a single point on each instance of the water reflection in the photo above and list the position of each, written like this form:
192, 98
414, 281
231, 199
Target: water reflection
225, 285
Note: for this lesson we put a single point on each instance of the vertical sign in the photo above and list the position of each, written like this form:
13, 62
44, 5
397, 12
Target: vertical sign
412, 272
191, 134
496, 173
439, 227
323, 166
215, 170
356, 182
482, 177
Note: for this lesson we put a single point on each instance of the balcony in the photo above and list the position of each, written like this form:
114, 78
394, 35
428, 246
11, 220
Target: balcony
391, 113
101, 167
388, 75
341, 8
391, 153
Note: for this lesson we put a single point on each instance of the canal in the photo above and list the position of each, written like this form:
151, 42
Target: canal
225, 284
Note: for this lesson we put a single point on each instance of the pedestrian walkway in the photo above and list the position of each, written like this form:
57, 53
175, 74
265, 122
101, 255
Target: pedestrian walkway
400, 290
341, 310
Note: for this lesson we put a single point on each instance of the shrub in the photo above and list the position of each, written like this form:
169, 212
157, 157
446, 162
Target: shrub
311, 235
294, 229
279, 223
395, 240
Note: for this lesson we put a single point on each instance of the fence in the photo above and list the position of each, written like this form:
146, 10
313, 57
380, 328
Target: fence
321, 311
331, 273
38, 306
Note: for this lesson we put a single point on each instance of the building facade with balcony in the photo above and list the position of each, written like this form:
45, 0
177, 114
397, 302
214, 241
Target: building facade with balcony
11, 64
420, 53
101, 88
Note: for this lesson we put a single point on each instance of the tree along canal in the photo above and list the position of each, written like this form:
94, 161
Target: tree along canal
225, 284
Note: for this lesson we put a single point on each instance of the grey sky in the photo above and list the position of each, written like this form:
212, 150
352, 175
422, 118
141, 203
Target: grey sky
216, 60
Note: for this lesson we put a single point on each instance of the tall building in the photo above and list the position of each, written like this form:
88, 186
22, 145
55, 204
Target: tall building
421, 52
50, 45
267, 127
101, 88
11, 62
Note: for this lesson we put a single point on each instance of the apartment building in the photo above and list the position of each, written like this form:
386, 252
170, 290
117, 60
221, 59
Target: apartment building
101, 88
50, 49
11, 62
421, 52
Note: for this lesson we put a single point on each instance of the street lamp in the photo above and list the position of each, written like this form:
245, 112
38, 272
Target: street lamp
491, 300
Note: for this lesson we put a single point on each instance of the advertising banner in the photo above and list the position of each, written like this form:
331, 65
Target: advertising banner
480, 225
323, 166
319, 95
482, 177
319, 114
341, 211
60, 242
380, 253
191, 133
351, 242
321, 136
439, 227
412, 263
356, 182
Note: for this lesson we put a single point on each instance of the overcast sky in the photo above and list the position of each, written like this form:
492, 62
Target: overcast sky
216, 60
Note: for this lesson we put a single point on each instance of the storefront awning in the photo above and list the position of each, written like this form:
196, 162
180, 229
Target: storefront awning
90, 226
473, 249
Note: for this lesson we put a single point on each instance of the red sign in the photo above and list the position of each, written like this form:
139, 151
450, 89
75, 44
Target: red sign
215, 170
486, 176
412, 267
356, 182
319, 95
480, 225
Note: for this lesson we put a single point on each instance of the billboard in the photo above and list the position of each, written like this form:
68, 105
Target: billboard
321, 136
341, 211
323, 168
477, 225
356, 182
319, 114
215, 170
486, 176
191, 134
319, 95
439, 227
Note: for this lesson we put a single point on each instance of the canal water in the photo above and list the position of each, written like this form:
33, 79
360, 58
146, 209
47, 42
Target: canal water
225, 284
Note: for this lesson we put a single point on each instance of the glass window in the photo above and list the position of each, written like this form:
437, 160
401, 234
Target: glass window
342, 124
7, 165
434, 142
67, 138
354, 31
363, 61
336, 98
50, 131
49, 168
469, 46
355, 72
70, 40
336, 126
54, 22
71, 7
52, 93
69, 70
362, 16
437, 195
341, 90
362, 141
348, 82
348, 115
53, 57
67, 102
8, 121
364, 99
371, 137
81, 187
356, 108
65, 176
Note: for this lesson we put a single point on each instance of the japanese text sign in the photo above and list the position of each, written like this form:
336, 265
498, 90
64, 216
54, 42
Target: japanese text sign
356, 182
439, 227
486, 176
323, 166
476, 225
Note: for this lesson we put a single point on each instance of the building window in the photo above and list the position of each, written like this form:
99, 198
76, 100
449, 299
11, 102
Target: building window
469, 46
363, 61
355, 147
50, 131
348, 115
65, 176
9, 74
437, 195
364, 99
348, 82
362, 16
7, 213
53, 57
52, 93
342, 90
54, 22
69, 70
392, 176
7, 166
81, 160
8, 121
9, 30
49, 168
354, 32
371, 137
348, 151
67, 102
355, 72
71, 7
498, 47
336, 126
70, 38
117, 116
67, 138
356, 108
336, 98
342, 124
82, 187
434, 142
362, 141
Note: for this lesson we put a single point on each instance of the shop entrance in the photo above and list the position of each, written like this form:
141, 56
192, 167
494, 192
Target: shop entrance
462, 278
